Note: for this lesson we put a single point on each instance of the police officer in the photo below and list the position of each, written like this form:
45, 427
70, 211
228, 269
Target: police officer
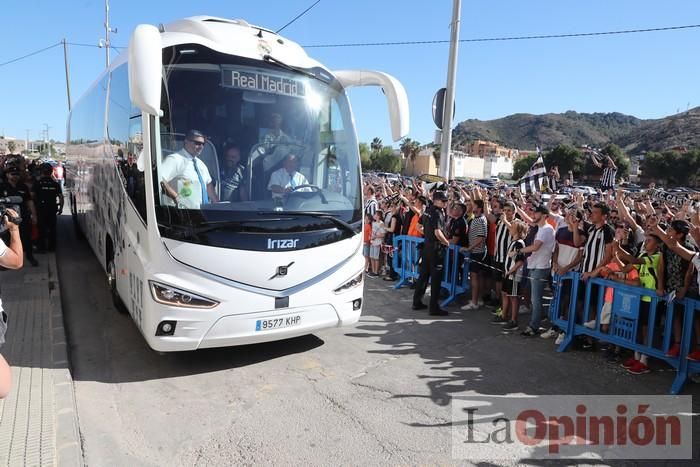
431, 265
49, 201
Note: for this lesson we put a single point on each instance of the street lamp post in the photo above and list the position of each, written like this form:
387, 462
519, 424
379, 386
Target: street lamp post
446, 147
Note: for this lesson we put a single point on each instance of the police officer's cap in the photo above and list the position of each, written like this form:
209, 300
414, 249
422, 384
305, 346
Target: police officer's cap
439, 196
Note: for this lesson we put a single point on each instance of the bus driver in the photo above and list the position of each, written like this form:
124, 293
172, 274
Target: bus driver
287, 178
185, 177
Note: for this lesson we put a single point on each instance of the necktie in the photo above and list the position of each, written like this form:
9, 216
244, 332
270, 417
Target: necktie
291, 181
205, 198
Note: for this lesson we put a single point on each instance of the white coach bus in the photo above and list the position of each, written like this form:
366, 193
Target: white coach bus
200, 249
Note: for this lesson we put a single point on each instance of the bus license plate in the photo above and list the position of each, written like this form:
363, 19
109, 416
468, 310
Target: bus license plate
277, 323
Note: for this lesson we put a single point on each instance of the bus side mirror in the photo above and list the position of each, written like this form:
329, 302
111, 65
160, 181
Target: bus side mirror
145, 69
396, 98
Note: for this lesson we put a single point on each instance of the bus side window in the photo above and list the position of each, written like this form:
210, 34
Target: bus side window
124, 131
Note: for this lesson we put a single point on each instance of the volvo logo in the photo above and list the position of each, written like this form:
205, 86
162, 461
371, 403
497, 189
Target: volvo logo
281, 271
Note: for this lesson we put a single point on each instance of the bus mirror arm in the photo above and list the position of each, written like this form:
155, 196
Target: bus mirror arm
145, 69
396, 97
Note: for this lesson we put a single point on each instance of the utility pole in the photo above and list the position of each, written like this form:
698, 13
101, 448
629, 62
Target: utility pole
46, 139
106, 43
65, 62
26, 143
446, 147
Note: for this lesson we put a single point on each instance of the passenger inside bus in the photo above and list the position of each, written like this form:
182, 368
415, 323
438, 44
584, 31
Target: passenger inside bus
232, 174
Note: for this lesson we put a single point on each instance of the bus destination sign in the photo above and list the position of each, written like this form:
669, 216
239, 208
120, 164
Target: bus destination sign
262, 82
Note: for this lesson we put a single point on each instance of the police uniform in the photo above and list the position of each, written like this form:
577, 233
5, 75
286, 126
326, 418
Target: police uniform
47, 192
431, 264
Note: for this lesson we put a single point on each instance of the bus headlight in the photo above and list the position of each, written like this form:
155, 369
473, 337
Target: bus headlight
351, 284
168, 295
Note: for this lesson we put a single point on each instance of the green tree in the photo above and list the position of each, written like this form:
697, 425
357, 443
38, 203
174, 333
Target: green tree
409, 150
521, 167
376, 144
672, 167
384, 160
11, 146
365, 160
566, 158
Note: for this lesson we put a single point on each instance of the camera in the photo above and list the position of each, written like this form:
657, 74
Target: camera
11, 202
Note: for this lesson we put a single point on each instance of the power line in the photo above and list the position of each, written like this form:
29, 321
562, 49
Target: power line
398, 43
507, 38
31, 54
298, 16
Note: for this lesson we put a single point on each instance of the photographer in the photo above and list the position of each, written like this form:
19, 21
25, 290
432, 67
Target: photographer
14, 185
11, 258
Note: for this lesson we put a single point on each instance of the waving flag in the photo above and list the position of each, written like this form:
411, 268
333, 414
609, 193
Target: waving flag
534, 178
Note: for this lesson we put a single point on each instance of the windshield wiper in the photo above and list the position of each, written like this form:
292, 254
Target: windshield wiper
270, 59
318, 215
189, 231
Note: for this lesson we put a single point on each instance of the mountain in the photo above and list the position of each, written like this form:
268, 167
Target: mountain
634, 135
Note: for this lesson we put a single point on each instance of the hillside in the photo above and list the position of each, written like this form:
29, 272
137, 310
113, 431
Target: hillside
525, 131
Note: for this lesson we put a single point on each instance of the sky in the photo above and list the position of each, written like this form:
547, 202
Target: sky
648, 75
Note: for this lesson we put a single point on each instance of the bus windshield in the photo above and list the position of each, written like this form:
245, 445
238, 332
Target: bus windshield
244, 142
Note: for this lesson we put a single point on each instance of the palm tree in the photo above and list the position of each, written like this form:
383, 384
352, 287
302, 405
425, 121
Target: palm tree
376, 144
409, 150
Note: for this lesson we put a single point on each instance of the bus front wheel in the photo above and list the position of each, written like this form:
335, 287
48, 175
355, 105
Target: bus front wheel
112, 281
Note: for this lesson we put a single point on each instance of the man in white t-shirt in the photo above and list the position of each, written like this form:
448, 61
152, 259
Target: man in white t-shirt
287, 178
539, 265
185, 177
11, 257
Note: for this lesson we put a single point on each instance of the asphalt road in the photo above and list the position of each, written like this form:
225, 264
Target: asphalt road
377, 393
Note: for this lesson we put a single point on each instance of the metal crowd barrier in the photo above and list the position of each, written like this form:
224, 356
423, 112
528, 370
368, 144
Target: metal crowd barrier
406, 256
455, 274
455, 277
625, 327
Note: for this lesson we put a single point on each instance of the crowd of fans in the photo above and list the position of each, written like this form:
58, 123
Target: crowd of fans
518, 245
39, 185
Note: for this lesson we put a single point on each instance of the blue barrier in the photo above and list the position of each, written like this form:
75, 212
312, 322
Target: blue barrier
568, 282
625, 326
455, 283
406, 256
687, 367
405, 263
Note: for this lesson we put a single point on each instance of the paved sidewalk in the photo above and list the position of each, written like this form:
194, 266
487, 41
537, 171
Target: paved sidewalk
38, 420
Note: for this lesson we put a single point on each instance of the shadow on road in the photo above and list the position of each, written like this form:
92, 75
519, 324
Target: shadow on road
107, 347
465, 355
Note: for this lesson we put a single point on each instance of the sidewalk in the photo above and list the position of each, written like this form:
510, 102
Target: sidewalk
38, 420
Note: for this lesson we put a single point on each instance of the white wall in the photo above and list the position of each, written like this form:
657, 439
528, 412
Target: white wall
497, 165
468, 167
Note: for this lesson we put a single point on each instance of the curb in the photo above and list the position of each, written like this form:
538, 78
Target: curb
68, 446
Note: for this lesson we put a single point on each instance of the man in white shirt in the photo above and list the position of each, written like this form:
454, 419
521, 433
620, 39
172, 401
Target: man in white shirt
287, 179
185, 177
539, 265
